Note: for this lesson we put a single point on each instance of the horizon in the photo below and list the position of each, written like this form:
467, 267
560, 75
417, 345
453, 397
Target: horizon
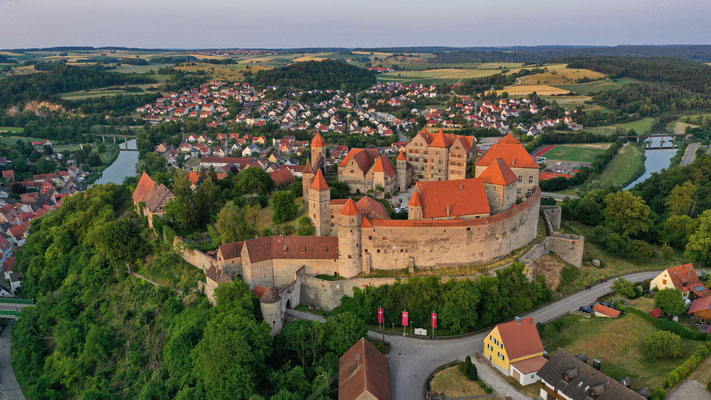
215, 24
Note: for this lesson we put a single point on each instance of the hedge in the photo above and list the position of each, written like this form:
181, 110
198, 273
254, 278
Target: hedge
682, 371
671, 326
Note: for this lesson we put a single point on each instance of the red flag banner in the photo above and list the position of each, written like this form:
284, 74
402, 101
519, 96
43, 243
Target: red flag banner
404, 318
381, 315
434, 320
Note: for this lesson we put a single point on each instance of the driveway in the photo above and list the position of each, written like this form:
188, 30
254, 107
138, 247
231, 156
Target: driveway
8, 384
690, 389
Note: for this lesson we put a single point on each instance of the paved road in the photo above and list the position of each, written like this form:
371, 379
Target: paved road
690, 389
690, 154
413, 360
8, 384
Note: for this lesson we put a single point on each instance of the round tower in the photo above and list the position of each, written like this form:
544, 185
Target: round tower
401, 172
319, 200
318, 148
270, 304
349, 240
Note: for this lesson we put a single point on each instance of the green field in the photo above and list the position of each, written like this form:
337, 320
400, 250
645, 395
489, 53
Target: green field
623, 167
11, 129
11, 140
579, 153
618, 344
597, 86
640, 126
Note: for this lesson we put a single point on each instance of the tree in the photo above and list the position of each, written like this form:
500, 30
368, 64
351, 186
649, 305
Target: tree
662, 344
677, 229
624, 287
306, 228
459, 306
342, 331
118, 241
626, 214
254, 180
468, 369
233, 223
284, 205
698, 249
670, 301
682, 199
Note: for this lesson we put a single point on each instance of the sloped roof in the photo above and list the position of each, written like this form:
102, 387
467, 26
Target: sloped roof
529, 365
145, 184
415, 200
515, 156
231, 250
282, 176
383, 164
318, 141
520, 338
363, 369
349, 208
319, 182
363, 157
292, 247
156, 196
509, 138
461, 197
610, 312
701, 304
446, 139
372, 208
441, 140
270, 296
498, 173
401, 156
684, 278
586, 378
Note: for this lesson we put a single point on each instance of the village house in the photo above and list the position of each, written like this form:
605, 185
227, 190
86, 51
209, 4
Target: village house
516, 350
363, 373
682, 277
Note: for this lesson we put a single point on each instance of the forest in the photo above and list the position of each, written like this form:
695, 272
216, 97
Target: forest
97, 332
308, 75
60, 78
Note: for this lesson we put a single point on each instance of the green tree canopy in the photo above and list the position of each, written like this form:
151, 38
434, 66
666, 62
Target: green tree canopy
670, 301
284, 205
662, 344
234, 224
626, 214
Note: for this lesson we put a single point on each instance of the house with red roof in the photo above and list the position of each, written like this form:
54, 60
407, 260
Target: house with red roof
367, 171
682, 277
515, 348
701, 310
517, 158
601, 310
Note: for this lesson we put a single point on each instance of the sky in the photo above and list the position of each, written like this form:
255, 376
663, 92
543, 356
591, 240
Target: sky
355, 23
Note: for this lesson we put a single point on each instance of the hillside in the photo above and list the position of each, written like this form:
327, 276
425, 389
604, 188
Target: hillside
327, 74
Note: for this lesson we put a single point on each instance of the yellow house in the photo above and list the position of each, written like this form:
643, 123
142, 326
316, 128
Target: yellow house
516, 350
684, 278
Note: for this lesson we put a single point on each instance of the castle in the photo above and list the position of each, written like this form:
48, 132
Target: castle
452, 220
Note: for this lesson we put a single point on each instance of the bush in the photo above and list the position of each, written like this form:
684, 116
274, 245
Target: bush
667, 325
659, 394
468, 369
662, 344
682, 371
708, 386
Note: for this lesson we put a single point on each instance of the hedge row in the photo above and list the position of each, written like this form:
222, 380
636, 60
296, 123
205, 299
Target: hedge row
667, 325
682, 371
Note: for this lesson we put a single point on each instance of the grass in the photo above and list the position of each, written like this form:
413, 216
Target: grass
640, 126
618, 344
315, 311
436, 75
228, 72
544, 90
561, 76
11, 129
453, 383
11, 140
265, 215
596, 86
579, 153
623, 168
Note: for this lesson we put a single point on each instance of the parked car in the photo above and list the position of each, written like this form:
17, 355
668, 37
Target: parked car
648, 293
605, 304
586, 309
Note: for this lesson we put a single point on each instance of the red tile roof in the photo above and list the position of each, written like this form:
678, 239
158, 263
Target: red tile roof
415, 200
292, 247
441, 140
283, 176
318, 141
319, 182
372, 208
9, 265
145, 184
509, 138
383, 164
401, 156
529, 365
610, 312
231, 250
363, 157
467, 141
462, 197
363, 369
520, 338
498, 173
349, 208
684, 278
515, 156
701, 304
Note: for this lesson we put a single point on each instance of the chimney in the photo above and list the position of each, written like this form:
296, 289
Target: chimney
448, 209
461, 188
597, 364
518, 319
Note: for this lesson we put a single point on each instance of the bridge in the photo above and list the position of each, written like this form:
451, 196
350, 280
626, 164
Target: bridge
649, 146
126, 138
11, 308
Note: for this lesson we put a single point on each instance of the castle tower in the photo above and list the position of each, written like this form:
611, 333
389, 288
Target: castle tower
318, 148
270, 304
319, 200
349, 240
307, 178
401, 172
414, 210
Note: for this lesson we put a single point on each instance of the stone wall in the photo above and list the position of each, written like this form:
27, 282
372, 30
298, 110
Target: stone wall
395, 244
568, 247
196, 258
552, 215
327, 295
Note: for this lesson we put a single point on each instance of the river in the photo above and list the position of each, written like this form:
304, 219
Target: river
123, 167
657, 160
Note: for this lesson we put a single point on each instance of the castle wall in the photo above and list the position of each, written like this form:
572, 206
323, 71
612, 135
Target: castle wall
395, 244
568, 247
327, 295
553, 216
195, 258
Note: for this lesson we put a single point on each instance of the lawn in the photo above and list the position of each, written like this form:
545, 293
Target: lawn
579, 153
453, 383
11, 129
11, 140
264, 219
640, 126
618, 344
561, 76
228, 72
596, 86
622, 168
436, 75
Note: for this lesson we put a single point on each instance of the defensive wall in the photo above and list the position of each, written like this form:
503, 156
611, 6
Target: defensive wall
568, 247
398, 244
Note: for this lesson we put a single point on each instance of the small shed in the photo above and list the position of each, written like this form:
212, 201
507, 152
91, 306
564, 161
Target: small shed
657, 312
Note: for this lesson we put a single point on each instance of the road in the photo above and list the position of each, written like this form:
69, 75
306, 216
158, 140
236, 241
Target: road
413, 360
690, 154
558, 196
8, 384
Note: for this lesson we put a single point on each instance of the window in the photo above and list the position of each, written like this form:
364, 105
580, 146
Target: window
664, 281
518, 191
529, 192
530, 179
520, 178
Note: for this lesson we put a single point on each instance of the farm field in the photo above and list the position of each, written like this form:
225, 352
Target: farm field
623, 167
568, 102
679, 127
560, 76
11, 140
543, 90
640, 126
231, 72
576, 152
618, 344
11, 129
597, 86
